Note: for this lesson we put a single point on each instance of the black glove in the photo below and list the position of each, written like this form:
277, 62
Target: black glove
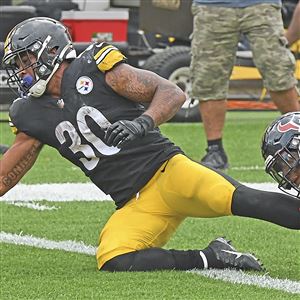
121, 132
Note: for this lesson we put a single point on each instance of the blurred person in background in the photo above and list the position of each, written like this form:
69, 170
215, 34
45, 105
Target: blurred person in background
218, 25
293, 32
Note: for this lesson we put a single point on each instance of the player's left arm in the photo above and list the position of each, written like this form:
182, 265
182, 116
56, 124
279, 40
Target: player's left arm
18, 160
139, 85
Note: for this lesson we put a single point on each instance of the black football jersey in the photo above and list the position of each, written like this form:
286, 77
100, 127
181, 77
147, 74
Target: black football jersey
75, 125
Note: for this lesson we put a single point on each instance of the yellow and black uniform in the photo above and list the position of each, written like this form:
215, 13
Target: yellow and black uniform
180, 188
158, 185
77, 129
154, 185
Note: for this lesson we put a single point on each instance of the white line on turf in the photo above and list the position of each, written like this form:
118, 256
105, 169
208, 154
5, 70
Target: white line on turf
32, 205
263, 281
78, 191
55, 192
29, 240
249, 168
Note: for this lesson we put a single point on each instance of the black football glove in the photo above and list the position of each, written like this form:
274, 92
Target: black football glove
121, 132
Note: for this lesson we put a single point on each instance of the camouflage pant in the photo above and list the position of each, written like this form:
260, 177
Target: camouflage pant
215, 39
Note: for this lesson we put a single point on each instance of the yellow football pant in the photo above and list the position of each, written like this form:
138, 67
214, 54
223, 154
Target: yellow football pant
180, 188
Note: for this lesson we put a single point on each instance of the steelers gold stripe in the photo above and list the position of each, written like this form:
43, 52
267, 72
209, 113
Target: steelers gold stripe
105, 53
97, 55
110, 60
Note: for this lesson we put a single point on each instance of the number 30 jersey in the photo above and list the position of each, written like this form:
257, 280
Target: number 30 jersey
75, 125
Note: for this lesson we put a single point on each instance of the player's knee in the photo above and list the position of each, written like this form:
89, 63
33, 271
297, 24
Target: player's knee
220, 199
120, 263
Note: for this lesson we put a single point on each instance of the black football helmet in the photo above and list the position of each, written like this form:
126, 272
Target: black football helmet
281, 151
48, 40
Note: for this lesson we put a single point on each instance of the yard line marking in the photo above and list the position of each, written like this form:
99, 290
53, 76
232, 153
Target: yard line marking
65, 192
55, 192
32, 205
262, 281
266, 186
248, 168
29, 240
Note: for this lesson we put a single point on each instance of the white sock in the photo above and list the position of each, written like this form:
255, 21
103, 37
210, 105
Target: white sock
205, 262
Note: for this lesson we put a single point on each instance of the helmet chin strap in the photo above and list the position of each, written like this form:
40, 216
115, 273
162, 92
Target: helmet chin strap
39, 88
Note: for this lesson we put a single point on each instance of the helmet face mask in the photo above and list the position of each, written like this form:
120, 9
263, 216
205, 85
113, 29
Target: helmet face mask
20, 62
37, 47
281, 151
281, 167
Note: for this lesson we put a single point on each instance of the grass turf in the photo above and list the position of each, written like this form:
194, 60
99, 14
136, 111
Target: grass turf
30, 273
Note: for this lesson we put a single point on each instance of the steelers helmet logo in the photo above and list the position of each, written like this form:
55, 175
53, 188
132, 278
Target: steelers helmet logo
84, 85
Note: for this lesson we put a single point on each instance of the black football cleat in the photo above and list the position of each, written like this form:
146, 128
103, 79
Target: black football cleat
215, 158
229, 257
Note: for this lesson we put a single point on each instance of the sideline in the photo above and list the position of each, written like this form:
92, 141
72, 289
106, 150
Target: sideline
232, 276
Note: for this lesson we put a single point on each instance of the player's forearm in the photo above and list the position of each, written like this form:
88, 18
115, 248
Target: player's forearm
163, 96
14, 166
166, 102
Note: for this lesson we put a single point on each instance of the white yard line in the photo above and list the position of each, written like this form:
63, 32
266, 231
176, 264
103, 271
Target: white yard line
32, 205
77, 191
248, 168
55, 192
29, 240
263, 281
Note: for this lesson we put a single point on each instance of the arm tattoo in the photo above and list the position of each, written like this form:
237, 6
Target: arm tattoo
133, 84
169, 104
144, 86
20, 167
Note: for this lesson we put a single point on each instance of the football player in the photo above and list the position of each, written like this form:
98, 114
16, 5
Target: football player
90, 109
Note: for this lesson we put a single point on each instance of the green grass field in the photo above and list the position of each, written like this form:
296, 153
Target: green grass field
32, 273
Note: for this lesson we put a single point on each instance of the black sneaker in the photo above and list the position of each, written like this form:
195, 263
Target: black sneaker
229, 257
215, 158
3, 148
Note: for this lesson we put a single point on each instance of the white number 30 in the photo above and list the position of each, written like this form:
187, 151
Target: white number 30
89, 160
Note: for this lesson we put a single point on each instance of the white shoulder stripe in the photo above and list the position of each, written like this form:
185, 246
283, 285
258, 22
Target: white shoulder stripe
103, 55
100, 45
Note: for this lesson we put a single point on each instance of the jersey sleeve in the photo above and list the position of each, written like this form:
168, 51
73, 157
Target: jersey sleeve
12, 116
107, 56
13, 128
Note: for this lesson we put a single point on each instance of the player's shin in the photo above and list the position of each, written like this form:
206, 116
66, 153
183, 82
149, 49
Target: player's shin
155, 259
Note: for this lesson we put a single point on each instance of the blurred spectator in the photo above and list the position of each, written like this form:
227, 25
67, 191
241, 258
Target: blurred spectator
293, 32
218, 26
